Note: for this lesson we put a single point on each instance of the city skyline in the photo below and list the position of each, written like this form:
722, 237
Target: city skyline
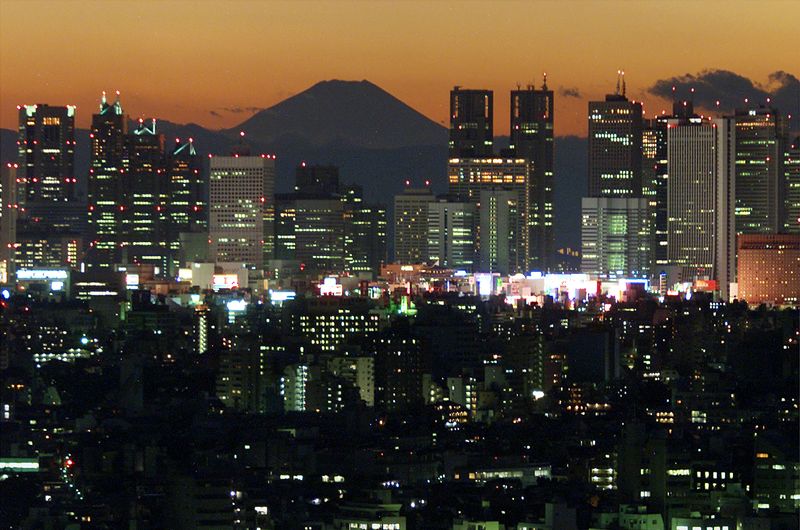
256, 70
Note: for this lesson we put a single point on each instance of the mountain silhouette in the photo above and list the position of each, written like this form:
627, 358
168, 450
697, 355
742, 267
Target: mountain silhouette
350, 113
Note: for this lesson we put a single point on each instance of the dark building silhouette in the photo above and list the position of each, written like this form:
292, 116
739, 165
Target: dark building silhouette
615, 146
315, 179
471, 123
531, 137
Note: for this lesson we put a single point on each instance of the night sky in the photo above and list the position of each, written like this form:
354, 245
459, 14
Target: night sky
217, 62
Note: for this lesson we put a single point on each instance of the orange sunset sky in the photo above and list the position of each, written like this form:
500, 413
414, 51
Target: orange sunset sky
181, 60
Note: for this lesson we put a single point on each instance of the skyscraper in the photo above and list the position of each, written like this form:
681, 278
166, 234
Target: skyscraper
109, 128
531, 137
46, 147
364, 233
143, 217
760, 136
469, 177
411, 225
791, 172
471, 123
452, 234
611, 237
187, 207
701, 237
50, 223
241, 190
498, 222
616, 237
615, 146
654, 185
8, 218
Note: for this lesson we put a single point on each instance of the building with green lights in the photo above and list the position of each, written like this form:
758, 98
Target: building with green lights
616, 237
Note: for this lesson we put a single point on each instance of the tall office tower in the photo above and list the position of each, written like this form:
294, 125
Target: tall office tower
46, 154
498, 222
187, 206
468, 177
615, 146
241, 192
51, 219
471, 123
109, 128
791, 173
700, 204
452, 235
319, 180
145, 194
760, 136
654, 185
531, 137
616, 236
8, 218
411, 225
364, 233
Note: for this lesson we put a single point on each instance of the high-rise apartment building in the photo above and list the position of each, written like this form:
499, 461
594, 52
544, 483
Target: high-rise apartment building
452, 234
760, 137
471, 123
241, 192
531, 137
468, 177
411, 225
498, 222
616, 236
701, 237
108, 131
615, 147
769, 268
791, 180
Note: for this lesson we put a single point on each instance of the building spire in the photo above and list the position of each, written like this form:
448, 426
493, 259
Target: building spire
623, 83
544, 82
619, 73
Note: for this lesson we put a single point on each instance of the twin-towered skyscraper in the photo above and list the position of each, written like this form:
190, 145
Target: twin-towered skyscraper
470, 228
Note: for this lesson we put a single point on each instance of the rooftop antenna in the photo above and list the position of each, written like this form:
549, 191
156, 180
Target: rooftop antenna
544, 83
619, 73
623, 83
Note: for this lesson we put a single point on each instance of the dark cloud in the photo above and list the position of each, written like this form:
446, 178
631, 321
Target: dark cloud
731, 89
215, 113
569, 92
